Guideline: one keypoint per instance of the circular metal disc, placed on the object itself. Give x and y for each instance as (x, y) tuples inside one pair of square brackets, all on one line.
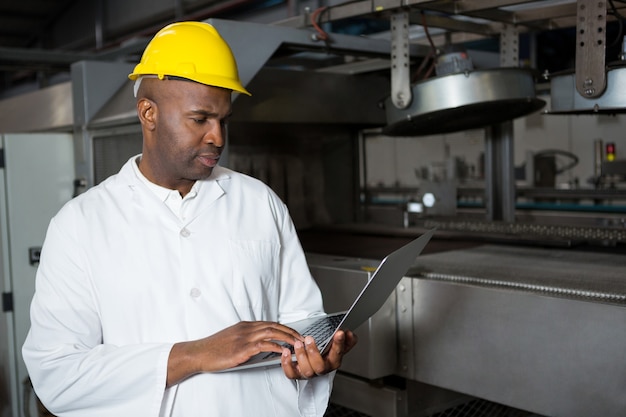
[(463, 101), (565, 99)]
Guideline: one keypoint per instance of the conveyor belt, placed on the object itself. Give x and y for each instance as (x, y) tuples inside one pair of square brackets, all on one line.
[(565, 273), (571, 235)]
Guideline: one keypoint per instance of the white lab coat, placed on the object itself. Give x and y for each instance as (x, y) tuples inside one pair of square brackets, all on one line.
[(124, 276)]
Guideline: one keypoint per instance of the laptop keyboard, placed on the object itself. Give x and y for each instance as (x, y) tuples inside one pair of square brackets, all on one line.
[(323, 328), (320, 330)]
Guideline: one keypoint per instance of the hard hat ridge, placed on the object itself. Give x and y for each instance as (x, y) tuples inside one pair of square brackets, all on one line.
[(190, 50)]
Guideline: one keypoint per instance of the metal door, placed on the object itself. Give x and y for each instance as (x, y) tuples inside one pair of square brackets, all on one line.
[(36, 179)]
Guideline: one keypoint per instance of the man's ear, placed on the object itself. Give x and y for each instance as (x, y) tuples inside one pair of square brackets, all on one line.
[(146, 110)]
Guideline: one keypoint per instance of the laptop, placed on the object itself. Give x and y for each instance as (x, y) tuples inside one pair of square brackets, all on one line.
[(323, 327)]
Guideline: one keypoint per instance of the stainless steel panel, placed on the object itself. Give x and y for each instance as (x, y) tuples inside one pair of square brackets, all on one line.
[(46, 110), (553, 353), (270, 38), (412, 399), (375, 401), (93, 86), (341, 279), (120, 110)]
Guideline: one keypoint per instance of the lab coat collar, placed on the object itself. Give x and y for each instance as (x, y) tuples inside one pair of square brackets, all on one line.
[(212, 185)]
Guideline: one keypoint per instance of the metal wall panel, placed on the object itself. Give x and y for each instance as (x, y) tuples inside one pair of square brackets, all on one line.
[(36, 181), (551, 355)]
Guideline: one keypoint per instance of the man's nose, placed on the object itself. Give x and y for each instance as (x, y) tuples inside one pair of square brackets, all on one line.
[(215, 136)]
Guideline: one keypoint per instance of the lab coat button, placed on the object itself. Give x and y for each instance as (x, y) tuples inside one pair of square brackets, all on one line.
[(195, 292), (185, 232)]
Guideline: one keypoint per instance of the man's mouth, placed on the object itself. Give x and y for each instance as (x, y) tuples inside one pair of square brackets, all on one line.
[(209, 160)]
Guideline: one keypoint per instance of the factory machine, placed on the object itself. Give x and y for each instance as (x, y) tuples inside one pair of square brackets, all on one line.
[(516, 307)]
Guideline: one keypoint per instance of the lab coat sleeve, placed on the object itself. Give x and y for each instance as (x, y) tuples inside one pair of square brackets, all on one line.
[(73, 372), (301, 297)]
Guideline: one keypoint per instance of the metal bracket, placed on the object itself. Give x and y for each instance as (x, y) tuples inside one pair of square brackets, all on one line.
[(400, 66), (34, 253), (509, 46), (7, 302), (590, 48)]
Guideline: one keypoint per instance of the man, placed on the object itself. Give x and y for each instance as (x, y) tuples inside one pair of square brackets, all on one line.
[(177, 268)]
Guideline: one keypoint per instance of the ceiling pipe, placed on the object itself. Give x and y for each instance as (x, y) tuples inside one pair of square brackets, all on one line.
[(131, 44), (99, 24)]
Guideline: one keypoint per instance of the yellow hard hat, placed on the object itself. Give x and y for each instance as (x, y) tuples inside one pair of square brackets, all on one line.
[(191, 50)]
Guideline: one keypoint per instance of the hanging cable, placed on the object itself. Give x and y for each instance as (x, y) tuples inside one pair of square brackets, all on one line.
[(417, 75), (321, 34), (425, 25), (430, 57)]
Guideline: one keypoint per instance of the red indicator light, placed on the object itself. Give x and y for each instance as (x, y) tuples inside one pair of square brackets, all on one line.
[(610, 151)]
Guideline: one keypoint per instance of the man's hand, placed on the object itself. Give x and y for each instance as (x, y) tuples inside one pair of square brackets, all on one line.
[(227, 348), (310, 363)]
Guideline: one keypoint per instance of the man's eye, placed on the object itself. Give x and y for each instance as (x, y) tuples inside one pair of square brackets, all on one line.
[(199, 121)]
